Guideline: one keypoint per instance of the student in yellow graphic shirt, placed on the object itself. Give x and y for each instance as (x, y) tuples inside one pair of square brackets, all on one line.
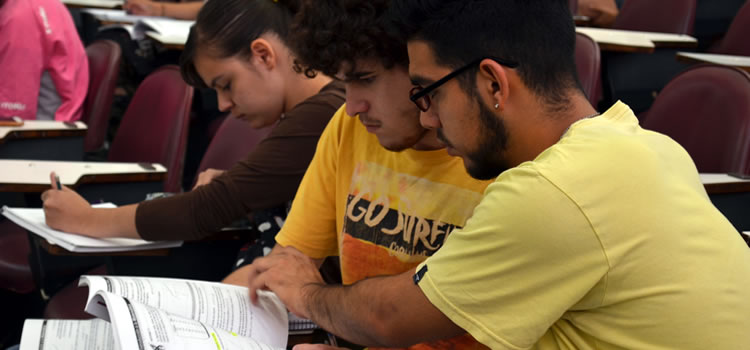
[(381, 192), (597, 234)]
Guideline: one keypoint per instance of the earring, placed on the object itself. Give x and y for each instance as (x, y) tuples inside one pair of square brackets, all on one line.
[(497, 105)]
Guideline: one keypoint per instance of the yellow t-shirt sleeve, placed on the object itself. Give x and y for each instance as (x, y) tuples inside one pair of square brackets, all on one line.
[(311, 223), (523, 259)]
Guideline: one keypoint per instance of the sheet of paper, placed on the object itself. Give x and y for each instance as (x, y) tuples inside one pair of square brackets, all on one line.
[(66, 335), (33, 220), (214, 304)]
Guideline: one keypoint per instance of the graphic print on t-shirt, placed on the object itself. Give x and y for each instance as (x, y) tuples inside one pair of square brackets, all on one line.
[(394, 221)]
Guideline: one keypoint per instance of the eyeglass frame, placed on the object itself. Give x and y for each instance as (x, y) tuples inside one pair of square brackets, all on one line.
[(418, 93)]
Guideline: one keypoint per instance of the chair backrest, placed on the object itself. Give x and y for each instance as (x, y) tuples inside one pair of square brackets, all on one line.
[(663, 16), (736, 41), (706, 109), (232, 142), (155, 125), (573, 4), (588, 65), (104, 65)]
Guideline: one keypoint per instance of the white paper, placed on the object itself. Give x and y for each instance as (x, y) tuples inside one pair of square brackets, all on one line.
[(139, 326), (67, 335), (222, 306), (33, 220)]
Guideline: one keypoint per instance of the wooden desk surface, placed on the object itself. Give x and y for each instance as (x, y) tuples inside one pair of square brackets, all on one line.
[(741, 62), (723, 183), (635, 41), (42, 129), (33, 175), (103, 4)]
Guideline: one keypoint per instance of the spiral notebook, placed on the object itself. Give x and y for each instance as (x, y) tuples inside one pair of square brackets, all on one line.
[(298, 325)]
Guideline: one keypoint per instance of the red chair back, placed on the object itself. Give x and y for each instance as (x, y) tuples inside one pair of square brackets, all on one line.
[(104, 65), (706, 109), (573, 4), (155, 125), (232, 142), (588, 65), (663, 16), (736, 41)]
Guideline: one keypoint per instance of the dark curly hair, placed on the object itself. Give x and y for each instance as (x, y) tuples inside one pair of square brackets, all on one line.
[(226, 27), (330, 34)]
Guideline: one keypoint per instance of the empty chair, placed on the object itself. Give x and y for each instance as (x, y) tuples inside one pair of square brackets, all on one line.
[(232, 142), (104, 65), (664, 16), (588, 65), (706, 109), (736, 41), (154, 127), (15, 272)]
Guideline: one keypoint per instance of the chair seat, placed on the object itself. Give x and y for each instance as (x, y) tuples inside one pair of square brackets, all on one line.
[(15, 272), (69, 302)]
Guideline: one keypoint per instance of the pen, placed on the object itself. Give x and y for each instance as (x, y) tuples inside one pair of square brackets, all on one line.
[(57, 182)]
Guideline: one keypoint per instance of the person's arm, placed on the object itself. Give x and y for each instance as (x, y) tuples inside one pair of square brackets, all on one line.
[(67, 64), (267, 178), (188, 10), (378, 312), (67, 211)]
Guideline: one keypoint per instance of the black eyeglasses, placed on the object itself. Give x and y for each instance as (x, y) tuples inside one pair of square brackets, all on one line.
[(420, 96)]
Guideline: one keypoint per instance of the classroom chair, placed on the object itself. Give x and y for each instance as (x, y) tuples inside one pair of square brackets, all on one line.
[(232, 142), (104, 66), (573, 4), (736, 41), (664, 16), (154, 127), (15, 272), (636, 78), (588, 65), (706, 109)]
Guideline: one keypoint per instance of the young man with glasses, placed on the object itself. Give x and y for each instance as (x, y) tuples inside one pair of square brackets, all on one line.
[(381, 192), (596, 234)]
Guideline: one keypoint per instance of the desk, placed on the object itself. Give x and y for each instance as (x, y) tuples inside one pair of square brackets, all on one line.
[(44, 140), (103, 4), (731, 196), (171, 33), (120, 183), (741, 62), (113, 16), (635, 41)]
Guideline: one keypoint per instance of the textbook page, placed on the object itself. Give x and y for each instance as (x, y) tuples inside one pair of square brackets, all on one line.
[(137, 326), (33, 220), (222, 306), (67, 334)]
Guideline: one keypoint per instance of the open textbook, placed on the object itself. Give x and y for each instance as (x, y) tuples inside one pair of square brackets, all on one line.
[(161, 313), (33, 220)]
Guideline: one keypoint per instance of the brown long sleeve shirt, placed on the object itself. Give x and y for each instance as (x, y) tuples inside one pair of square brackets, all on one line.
[(267, 178)]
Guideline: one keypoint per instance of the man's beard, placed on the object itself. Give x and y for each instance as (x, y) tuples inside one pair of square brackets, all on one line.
[(486, 162)]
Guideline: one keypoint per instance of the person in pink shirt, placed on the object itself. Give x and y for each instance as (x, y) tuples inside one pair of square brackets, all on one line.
[(43, 66)]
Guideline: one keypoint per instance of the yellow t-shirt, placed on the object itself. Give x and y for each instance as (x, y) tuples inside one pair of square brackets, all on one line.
[(607, 240), (381, 212)]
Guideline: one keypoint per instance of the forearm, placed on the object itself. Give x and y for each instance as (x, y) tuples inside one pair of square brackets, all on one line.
[(361, 313), (111, 222), (182, 10)]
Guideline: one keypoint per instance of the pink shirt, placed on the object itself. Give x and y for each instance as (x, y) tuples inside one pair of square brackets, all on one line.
[(38, 37)]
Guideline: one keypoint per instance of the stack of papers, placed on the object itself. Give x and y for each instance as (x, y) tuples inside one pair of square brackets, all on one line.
[(33, 220)]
